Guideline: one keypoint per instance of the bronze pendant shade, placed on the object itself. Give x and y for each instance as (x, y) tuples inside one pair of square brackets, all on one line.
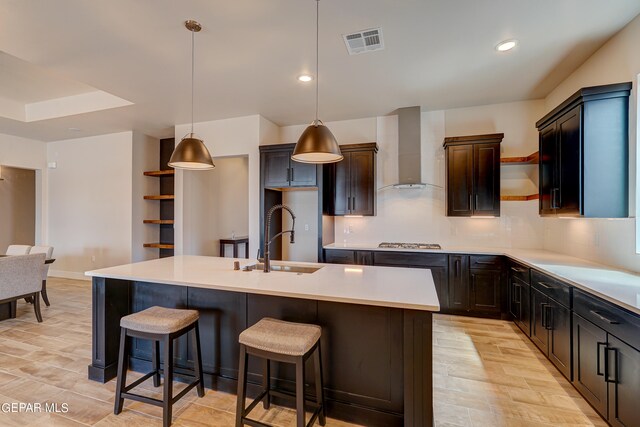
[(191, 153), (317, 145)]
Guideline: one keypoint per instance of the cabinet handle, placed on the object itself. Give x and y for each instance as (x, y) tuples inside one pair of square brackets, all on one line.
[(518, 270), (470, 202), (292, 170), (544, 285), (353, 203), (485, 262), (475, 206), (543, 320), (598, 357), (349, 203), (288, 174), (548, 317), (607, 359), (457, 268), (609, 321)]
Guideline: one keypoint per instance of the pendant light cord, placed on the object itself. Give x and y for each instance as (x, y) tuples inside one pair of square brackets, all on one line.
[(193, 40), (317, 56)]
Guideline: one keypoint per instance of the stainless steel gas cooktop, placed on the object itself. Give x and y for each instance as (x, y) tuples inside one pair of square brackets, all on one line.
[(409, 245)]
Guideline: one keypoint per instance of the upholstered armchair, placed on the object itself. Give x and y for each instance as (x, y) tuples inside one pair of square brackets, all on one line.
[(18, 250), (48, 251), (21, 277)]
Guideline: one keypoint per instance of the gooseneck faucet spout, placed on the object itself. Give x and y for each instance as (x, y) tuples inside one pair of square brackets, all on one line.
[(267, 226)]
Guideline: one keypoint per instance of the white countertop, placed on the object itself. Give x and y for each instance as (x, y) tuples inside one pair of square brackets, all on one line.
[(408, 288), (617, 286)]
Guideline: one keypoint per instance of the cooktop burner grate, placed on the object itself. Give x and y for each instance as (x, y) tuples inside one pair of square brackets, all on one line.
[(409, 245)]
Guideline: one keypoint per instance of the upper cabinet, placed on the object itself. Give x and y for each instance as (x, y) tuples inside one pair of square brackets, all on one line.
[(473, 175), (350, 183), (584, 154), (279, 171)]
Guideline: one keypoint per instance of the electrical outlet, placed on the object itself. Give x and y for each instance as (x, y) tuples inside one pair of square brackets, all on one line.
[(306, 227)]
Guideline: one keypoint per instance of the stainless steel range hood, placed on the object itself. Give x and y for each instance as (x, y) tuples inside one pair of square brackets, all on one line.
[(409, 157)]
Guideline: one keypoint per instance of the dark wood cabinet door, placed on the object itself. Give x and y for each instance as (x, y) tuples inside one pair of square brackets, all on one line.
[(364, 258), (559, 324), (302, 174), (459, 282), (484, 290), (539, 333), (460, 180), (524, 323), (342, 187), (548, 168), (339, 256), (624, 386), (439, 275), (276, 168), (589, 343), (362, 182), (486, 179), (569, 162), (515, 301)]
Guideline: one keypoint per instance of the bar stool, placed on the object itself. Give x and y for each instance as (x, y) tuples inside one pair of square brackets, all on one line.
[(288, 342), (158, 324)]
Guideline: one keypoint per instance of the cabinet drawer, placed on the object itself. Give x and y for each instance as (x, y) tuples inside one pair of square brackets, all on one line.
[(485, 262), (409, 259), (520, 271), (339, 256), (611, 318), (551, 287)]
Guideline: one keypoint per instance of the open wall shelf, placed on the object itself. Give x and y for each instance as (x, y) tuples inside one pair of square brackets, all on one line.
[(165, 172), (159, 245), (160, 197), (519, 198), (531, 159), (158, 221)]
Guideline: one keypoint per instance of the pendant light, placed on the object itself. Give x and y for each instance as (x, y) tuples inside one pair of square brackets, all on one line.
[(317, 144), (191, 153)]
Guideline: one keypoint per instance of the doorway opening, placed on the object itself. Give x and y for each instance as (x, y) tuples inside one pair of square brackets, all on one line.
[(17, 206)]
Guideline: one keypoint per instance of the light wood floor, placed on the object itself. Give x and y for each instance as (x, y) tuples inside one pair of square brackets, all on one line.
[(486, 373)]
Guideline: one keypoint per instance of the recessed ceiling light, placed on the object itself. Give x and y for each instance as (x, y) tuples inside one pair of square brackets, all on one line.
[(506, 45), (305, 78)]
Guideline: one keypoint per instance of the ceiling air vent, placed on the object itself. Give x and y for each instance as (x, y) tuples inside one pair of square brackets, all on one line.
[(364, 41)]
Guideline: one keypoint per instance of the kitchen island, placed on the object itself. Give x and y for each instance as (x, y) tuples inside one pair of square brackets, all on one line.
[(376, 328)]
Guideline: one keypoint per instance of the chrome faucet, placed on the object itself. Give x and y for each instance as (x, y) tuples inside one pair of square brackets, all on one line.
[(267, 225)]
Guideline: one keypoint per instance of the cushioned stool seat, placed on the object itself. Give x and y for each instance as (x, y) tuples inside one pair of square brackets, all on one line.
[(278, 336), (159, 320)]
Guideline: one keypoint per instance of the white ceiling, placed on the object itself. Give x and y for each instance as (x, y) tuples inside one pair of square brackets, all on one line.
[(438, 54)]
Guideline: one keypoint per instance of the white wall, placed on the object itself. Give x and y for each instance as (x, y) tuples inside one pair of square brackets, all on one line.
[(29, 154), (606, 241), (145, 157), (239, 136), (90, 203), (419, 215), (305, 206)]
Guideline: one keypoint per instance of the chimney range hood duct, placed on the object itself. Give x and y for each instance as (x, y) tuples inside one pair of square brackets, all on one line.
[(409, 158)]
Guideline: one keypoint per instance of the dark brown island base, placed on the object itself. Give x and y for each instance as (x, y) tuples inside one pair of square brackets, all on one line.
[(376, 329)]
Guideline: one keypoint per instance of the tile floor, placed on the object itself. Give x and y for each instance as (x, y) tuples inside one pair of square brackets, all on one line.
[(486, 373)]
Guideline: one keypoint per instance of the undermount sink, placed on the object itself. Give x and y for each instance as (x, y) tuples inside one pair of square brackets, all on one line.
[(300, 269)]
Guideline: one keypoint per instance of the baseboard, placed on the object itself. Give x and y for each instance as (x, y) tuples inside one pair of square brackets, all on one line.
[(69, 275)]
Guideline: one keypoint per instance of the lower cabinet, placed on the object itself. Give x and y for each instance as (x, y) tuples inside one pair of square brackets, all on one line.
[(520, 304), (485, 292), (343, 256), (475, 291), (459, 282), (551, 330), (606, 359)]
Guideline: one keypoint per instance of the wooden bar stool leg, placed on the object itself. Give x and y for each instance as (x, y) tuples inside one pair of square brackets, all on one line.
[(300, 415), (266, 375), (198, 361), (155, 360), (242, 386), (36, 306), (121, 381), (167, 396), (317, 362)]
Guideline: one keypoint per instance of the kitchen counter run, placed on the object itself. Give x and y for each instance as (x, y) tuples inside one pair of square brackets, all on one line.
[(378, 286), (616, 286)]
